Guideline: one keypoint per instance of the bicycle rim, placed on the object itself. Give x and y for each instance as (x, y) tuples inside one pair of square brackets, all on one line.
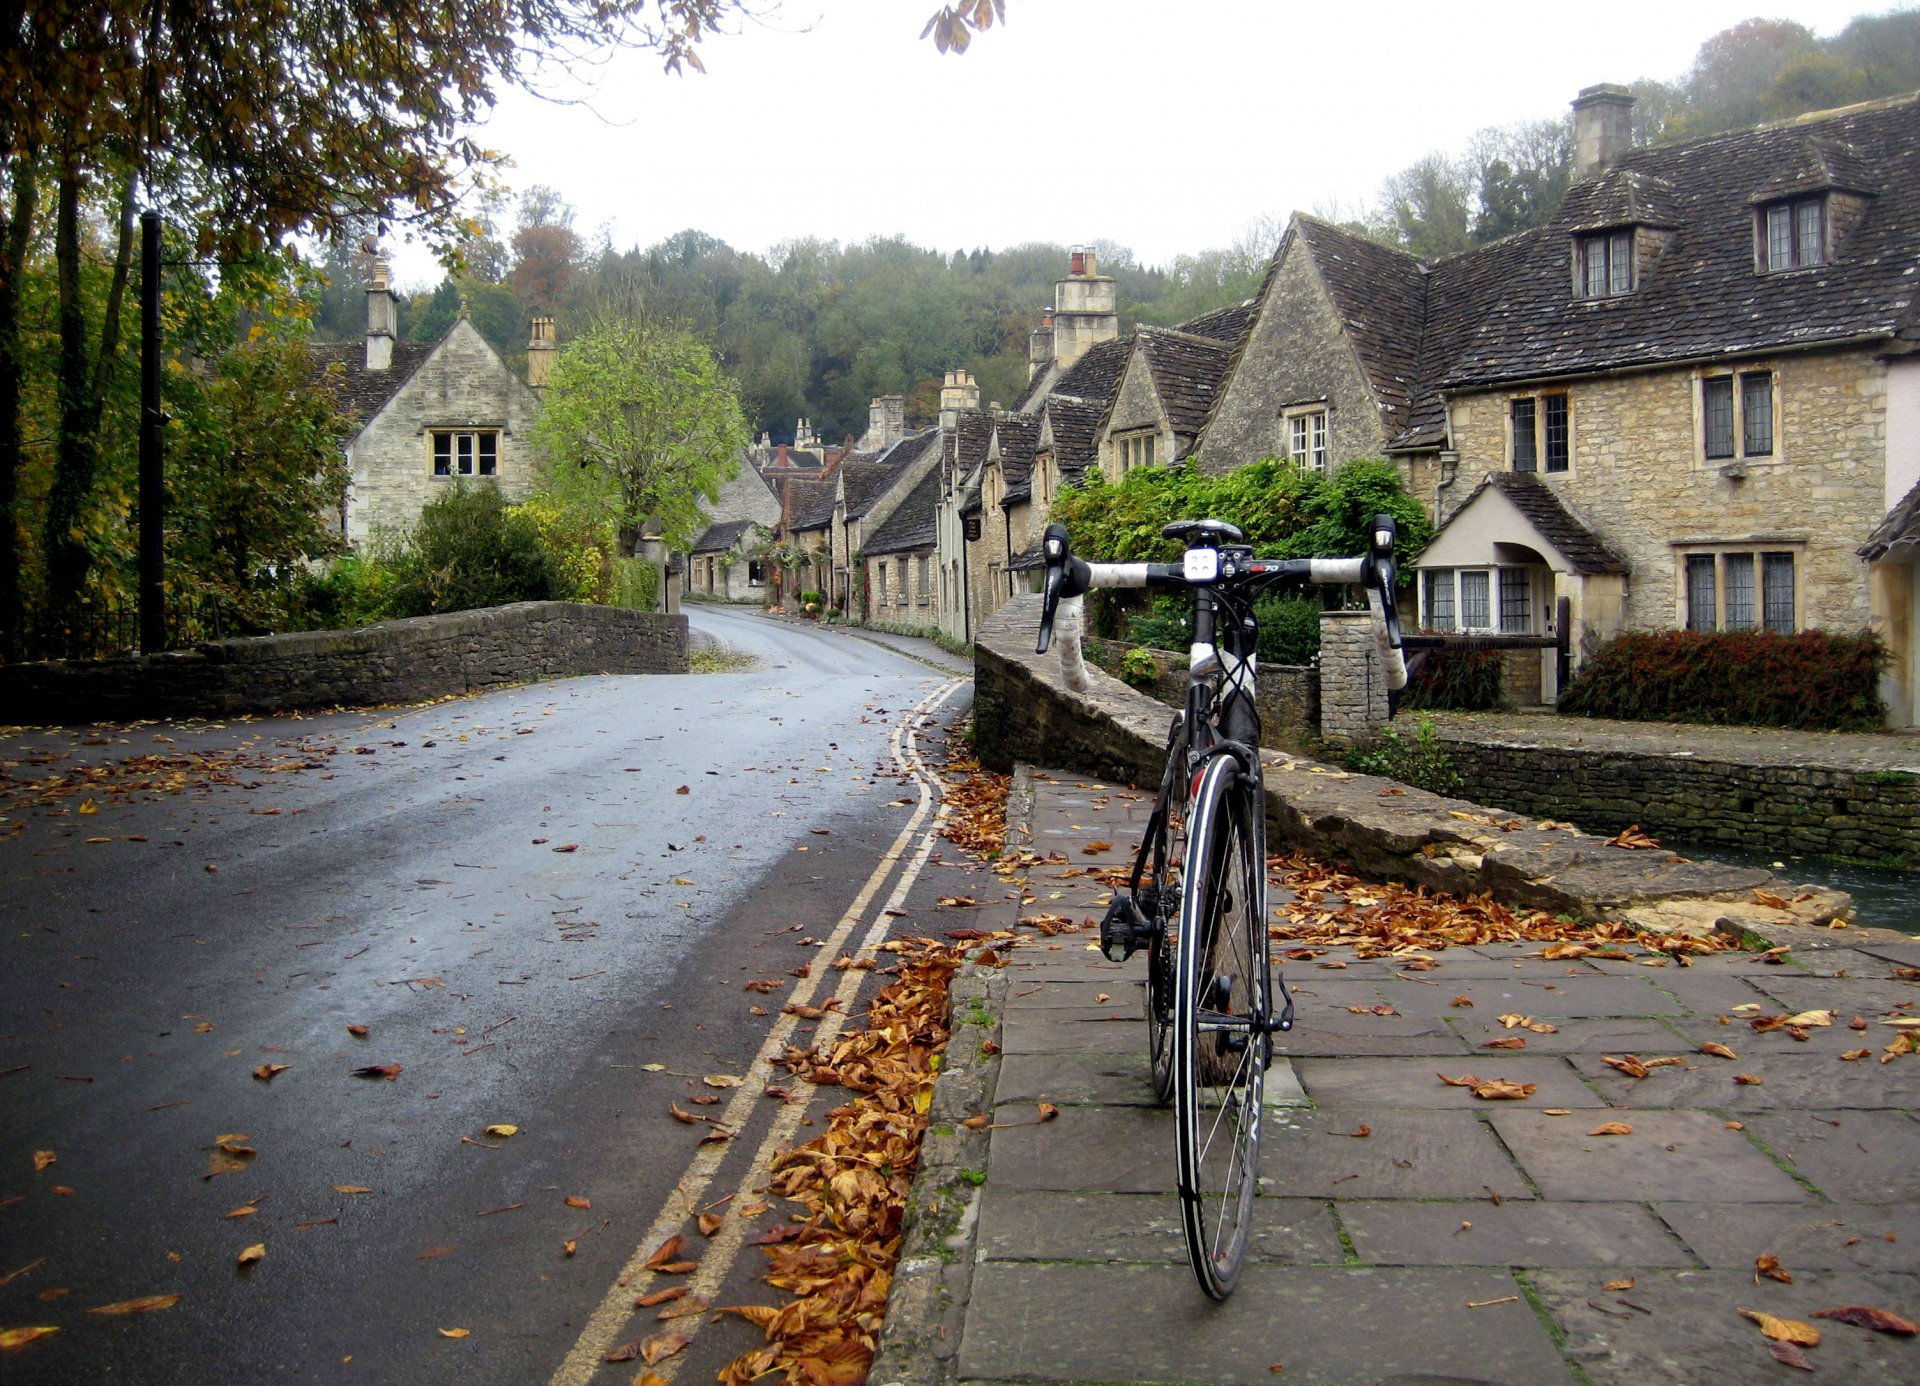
[(1220, 1009), (1164, 880)]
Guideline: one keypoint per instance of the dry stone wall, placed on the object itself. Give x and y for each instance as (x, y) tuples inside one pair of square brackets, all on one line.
[(394, 662)]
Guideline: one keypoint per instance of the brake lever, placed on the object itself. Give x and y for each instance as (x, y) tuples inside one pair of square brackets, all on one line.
[(1053, 545)]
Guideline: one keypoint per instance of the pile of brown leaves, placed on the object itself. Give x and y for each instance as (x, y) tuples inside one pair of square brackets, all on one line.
[(976, 802), (172, 772), (853, 1180), (1331, 907)]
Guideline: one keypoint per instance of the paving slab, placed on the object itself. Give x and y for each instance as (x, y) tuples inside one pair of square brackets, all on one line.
[(1826, 1236), (1905, 954), (1102, 1029), (1547, 998), (1851, 1157), (1360, 1035), (1319, 1325), (1590, 1035), (1479, 1232), (1086, 1149), (1804, 1080), (1692, 1331), (1404, 1154), (1023, 1224), (1415, 1082), (1678, 1154), (1828, 1041), (1865, 995), (1710, 992), (1056, 993)]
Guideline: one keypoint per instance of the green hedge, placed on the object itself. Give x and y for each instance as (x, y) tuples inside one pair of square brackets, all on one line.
[(1457, 681), (1813, 681)]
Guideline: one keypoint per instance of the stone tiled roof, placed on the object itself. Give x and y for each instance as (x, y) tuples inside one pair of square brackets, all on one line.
[(912, 524), (362, 393), (1544, 510), (1074, 423), (971, 437), (1036, 387), (1187, 371), (1222, 324), (861, 484), (1381, 296), (1096, 375), (1457, 292), (1619, 197), (1017, 434), (811, 502), (721, 537), (1701, 297), (1898, 535)]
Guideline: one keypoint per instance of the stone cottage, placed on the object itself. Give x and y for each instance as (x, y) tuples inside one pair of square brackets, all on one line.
[(427, 417), (728, 559)]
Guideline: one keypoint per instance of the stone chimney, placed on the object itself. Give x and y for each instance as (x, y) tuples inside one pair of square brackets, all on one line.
[(1602, 129), (804, 438), (379, 318), (958, 393), (1040, 346), (1086, 309), (540, 351), (886, 423)]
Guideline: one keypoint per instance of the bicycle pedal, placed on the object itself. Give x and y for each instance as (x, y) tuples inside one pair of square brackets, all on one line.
[(1124, 931)]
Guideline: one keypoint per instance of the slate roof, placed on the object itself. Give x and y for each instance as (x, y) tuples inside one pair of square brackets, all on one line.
[(1227, 324), (1041, 380), (812, 502), (362, 393), (1074, 422), (1017, 433), (1702, 297), (912, 524), (1187, 371), (1544, 510), (721, 537), (1096, 375), (1899, 531), (1381, 297), (1620, 197)]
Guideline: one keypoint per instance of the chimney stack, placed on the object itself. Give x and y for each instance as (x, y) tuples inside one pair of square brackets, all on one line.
[(380, 319), (958, 393), (1040, 346), (540, 350), (886, 423), (1086, 309), (1602, 129)]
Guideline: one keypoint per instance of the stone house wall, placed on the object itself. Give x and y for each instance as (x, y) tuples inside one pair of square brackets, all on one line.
[(463, 385), (1295, 353), (908, 600), (1637, 477), (1136, 405)]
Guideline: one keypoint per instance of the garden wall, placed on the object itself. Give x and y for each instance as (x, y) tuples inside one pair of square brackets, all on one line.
[(393, 662), (1287, 696)]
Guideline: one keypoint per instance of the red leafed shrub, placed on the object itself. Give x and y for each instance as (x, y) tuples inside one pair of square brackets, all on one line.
[(1814, 681), (1457, 680)]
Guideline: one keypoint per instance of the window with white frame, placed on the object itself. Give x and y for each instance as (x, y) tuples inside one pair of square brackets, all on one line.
[(1741, 589), (1477, 599), (1792, 234), (1306, 438), (466, 452), (1540, 433), (1737, 415), (1603, 264)]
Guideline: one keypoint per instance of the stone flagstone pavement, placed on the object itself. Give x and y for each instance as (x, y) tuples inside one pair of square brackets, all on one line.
[(1409, 1232)]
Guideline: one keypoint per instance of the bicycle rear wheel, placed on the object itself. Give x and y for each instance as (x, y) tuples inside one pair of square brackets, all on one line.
[(1219, 1028)]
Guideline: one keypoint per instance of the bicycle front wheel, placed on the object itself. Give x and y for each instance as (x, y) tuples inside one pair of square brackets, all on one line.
[(1161, 900), (1219, 1028)]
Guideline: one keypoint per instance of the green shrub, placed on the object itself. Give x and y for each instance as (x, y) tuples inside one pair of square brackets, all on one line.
[(1420, 761), (1457, 680), (813, 598), (1289, 630), (1139, 668), (634, 584), (352, 590), (1813, 680), (469, 550)]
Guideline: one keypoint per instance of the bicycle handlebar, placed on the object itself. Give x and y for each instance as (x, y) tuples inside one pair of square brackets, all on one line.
[(1069, 578)]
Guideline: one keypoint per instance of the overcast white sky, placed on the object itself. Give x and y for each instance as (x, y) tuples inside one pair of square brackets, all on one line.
[(1164, 125)]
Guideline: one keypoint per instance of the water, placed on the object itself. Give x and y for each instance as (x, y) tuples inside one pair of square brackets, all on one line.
[(1886, 899)]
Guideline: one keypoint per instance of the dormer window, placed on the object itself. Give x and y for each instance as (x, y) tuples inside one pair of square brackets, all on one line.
[(1793, 234), (1603, 264)]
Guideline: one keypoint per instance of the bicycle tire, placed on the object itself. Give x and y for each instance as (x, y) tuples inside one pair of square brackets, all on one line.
[(1220, 1041), (1163, 868)]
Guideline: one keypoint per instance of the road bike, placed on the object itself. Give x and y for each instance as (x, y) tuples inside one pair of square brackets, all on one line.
[(1196, 899)]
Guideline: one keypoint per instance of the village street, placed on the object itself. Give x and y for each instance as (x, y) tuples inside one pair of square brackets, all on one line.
[(534, 908)]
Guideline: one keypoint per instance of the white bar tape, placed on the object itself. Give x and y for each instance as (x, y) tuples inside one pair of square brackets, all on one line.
[(1068, 623), (1117, 574), (1392, 660), (1335, 570)]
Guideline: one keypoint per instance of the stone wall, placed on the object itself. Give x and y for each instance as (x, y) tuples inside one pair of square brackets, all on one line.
[(1353, 685), (1638, 476), (1820, 810), (1287, 696), (462, 385), (394, 662), (1024, 712)]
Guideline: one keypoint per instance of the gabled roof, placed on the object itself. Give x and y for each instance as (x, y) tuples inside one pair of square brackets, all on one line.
[(1381, 297), (1187, 371), (1017, 435), (1037, 384), (1898, 536), (912, 524), (811, 502), (1227, 324), (1542, 508), (363, 393), (1073, 424), (1097, 374), (721, 537), (1619, 197), (1701, 297)]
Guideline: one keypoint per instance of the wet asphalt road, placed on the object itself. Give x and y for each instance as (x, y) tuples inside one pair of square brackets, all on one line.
[(516, 898)]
